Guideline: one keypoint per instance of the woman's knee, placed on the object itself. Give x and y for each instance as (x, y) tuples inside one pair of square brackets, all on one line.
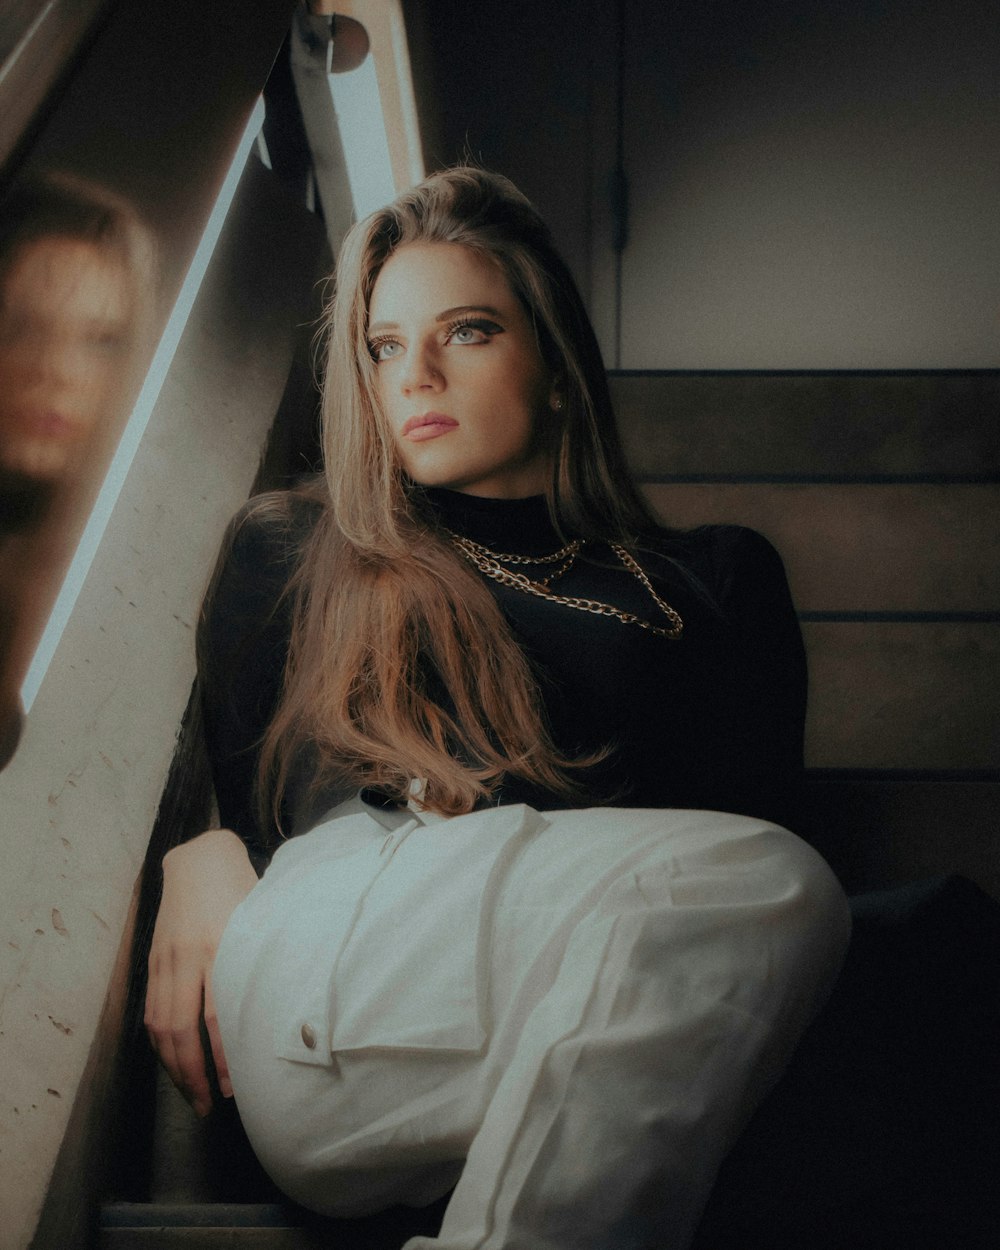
[(747, 909), (819, 919)]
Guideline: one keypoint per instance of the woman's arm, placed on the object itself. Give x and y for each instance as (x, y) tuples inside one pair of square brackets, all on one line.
[(204, 880), (757, 600), (242, 647), (242, 642)]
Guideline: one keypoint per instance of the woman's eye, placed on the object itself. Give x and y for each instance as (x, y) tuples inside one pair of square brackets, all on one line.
[(384, 349), (465, 333)]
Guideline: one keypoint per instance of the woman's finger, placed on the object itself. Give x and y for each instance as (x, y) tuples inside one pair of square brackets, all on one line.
[(157, 1016), (215, 1039), (185, 1035)]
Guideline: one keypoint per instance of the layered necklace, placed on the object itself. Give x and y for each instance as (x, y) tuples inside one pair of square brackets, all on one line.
[(503, 567)]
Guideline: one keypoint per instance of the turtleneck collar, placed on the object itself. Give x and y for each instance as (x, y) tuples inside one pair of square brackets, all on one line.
[(519, 525)]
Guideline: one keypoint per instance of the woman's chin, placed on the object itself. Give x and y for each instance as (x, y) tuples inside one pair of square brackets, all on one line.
[(43, 462)]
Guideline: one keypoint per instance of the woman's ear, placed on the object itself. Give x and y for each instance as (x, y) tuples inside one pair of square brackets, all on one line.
[(557, 393)]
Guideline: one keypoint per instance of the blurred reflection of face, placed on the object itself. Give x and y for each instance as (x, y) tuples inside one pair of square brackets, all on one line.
[(64, 322)]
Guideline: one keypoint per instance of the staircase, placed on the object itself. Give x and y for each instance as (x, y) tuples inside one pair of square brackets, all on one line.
[(882, 492)]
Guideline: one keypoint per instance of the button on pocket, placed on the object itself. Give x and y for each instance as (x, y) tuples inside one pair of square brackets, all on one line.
[(308, 1034)]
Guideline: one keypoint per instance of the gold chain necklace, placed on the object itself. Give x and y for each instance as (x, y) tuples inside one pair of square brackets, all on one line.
[(491, 563)]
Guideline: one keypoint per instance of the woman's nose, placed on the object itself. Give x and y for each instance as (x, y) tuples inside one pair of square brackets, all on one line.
[(421, 371)]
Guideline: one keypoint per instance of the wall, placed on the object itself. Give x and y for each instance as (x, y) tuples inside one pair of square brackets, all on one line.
[(813, 183)]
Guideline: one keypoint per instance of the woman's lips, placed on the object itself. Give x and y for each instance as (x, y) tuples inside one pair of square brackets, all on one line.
[(429, 425)]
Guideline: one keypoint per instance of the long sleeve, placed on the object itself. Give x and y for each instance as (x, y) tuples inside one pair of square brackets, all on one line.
[(242, 648), (755, 598)]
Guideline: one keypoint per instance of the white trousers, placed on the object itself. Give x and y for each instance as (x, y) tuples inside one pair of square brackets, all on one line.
[(567, 1015)]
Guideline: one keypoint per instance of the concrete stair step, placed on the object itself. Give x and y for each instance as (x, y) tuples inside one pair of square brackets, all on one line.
[(896, 547), (262, 1226), (896, 694), (880, 830), (256, 1225), (725, 426)]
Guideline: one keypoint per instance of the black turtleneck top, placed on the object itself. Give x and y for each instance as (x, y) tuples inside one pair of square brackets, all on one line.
[(712, 720)]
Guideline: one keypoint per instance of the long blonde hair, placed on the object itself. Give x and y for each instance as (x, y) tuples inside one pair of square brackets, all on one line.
[(401, 665)]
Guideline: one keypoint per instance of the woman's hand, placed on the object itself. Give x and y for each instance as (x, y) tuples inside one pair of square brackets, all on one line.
[(203, 881)]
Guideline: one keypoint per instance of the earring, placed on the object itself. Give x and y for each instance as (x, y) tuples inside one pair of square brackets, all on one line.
[(557, 405)]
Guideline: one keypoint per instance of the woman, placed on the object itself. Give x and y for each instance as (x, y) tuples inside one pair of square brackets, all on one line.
[(517, 947)]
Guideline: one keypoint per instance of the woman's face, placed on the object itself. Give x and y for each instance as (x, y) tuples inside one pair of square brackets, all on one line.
[(64, 316), (459, 374)]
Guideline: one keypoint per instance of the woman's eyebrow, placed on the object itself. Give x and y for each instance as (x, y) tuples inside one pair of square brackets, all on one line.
[(467, 308), (447, 315)]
